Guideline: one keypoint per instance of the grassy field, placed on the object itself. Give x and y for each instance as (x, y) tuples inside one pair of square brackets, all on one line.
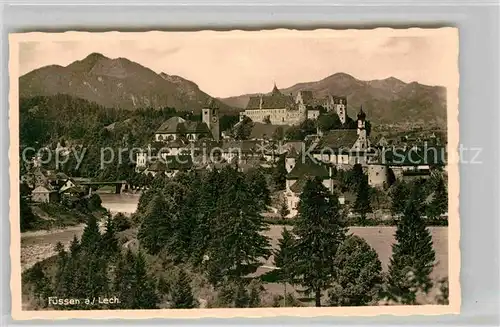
[(381, 240)]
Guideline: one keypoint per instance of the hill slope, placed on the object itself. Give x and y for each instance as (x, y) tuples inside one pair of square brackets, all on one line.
[(385, 101), (114, 83)]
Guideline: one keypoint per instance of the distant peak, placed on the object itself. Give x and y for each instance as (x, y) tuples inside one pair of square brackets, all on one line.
[(96, 55), (343, 75)]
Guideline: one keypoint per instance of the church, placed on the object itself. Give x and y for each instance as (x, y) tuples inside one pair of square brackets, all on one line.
[(176, 128), (281, 109)]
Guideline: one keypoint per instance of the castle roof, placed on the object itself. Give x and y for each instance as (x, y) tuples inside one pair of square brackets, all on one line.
[(275, 100)]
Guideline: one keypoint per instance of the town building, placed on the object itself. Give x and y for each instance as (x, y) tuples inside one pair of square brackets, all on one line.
[(302, 170), (176, 128), (277, 108), (44, 194), (345, 147)]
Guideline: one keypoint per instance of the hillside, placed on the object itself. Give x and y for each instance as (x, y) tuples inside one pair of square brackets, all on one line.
[(388, 101), (115, 83)]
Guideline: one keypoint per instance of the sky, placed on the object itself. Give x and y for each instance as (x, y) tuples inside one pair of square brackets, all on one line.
[(227, 64)]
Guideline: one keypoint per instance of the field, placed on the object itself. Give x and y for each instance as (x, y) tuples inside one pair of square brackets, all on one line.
[(380, 239)]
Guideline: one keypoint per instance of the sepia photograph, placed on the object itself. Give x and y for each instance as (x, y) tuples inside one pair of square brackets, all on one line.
[(234, 173)]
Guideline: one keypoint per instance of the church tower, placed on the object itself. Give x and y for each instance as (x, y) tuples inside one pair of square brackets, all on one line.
[(210, 116), (362, 141)]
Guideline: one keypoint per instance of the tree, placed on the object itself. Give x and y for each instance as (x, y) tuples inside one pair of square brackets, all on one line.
[(257, 185), (283, 258), (42, 286), (243, 129), (182, 294), (278, 134), (442, 297), (319, 231), (279, 173), (358, 276), (267, 120), (27, 218), (399, 196), (157, 228), (283, 209), (109, 239), (439, 202), (133, 286), (238, 244), (91, 236), (362, 204), (412, 255), (328, 122)]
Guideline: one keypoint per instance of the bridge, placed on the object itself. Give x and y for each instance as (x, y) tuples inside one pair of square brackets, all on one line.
[(94, 185)]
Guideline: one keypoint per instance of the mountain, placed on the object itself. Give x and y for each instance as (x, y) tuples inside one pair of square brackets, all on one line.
[(388, 101), (115, 83)]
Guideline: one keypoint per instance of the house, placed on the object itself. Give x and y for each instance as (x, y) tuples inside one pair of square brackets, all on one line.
[(177, 127), (344, 147), (44, 194), (303, 170)]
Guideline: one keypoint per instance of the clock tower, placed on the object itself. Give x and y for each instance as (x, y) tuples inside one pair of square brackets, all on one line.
[(210, 116)]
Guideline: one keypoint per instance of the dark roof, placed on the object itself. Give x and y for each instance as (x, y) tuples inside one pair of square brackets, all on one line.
[(305, 166), (261, 131), (275, 100), (178, 125), (183, 162), (430, 155), (158, 166), (338, 139), (298, 186)]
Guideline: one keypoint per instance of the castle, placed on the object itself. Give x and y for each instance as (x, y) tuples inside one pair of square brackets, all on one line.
[(281, 109)]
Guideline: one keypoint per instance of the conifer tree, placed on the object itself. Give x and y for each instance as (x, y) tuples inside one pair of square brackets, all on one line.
[(439, 203), (362, 204), (145, 295), (257, 186), (182, 294), (279, 173), (319, 232), (283, 258), (238, 244), (91, 236), (399, 196), (413, 255), (124, 279), (109, 240), (157, 229), (358, 276)]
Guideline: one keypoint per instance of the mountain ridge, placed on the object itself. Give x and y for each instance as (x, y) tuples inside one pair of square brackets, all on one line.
[(117, 82), (386, 101)]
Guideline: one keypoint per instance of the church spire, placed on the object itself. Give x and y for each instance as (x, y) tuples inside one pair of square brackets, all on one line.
[(361, 114), (275, 90)]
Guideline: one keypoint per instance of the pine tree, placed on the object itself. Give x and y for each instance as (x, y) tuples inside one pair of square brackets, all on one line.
[(358, 276), (182, 294), (157, 229), (238, 245), (399, 196), (257, 185), (145, 295), (283, 210), (124, 279), (279, 173), (283, 257), (109, 240), (413, 255), (319, 232), (362, 204), (91, 236), (439, 203)]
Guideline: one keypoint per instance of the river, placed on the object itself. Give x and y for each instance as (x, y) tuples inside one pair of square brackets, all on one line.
[(39, 245)]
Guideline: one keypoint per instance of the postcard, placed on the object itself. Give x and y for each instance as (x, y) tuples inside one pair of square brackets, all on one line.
[(234, 173)]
